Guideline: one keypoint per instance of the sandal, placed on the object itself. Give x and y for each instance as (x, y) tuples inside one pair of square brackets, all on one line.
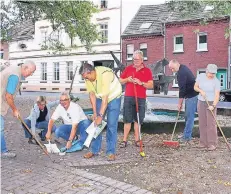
[(123, 144), (137, 143)]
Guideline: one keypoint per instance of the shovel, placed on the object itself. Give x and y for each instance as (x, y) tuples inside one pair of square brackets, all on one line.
[(172, 143)]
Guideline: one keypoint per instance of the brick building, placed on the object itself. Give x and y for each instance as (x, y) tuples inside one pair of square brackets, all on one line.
[(161, 33)]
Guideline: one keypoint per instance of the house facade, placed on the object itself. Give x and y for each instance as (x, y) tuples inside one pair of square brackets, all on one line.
[(55, 70), (167, 35)]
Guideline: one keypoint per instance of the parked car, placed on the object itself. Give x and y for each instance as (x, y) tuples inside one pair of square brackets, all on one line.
[(225, 95)]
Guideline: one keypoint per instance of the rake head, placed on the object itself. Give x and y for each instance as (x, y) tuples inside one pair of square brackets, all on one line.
[(173, 144)]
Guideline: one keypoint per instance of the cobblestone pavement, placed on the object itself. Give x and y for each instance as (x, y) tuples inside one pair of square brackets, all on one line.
[(34, 172)]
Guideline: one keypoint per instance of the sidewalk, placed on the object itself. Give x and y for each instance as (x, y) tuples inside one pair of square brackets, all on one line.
[(33, 172)]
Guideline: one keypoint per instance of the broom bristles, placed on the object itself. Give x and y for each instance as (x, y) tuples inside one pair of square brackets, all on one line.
[(171, 143)]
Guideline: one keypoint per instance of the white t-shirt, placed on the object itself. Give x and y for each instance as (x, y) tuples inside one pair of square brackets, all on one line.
[(73, 115), (209, 86)]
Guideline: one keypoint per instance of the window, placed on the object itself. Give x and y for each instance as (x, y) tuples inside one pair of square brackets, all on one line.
[(103, 4), (1, 53), (81, 79), (202, 42), (44, 71), (103, 33), (130, 50), (56, 35), (178, 43), (69, 70), (56, 71), (145, 25), (44, 35), (143, 48)]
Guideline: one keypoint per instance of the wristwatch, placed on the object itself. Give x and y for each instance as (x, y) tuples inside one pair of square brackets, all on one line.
[(101, 115), (70, 140)]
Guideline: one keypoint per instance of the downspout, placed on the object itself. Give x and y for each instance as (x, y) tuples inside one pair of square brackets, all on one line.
[(164, 31)]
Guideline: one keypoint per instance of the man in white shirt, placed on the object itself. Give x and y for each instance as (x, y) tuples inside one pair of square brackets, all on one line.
[(74, 119)]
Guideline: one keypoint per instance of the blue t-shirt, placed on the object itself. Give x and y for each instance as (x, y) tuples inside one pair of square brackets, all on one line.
[(12, 84)]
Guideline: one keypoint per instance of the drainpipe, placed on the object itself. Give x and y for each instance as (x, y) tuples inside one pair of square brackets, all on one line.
[(164, 30)]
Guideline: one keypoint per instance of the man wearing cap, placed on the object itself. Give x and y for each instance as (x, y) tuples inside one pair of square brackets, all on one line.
[(209, 88), (186, 81)]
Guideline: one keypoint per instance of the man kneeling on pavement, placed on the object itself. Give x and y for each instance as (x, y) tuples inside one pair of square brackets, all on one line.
[(75, 122), (39, 117)]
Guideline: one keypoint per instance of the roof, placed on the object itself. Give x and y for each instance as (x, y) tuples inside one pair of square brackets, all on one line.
[(157, 15), (24, 30)]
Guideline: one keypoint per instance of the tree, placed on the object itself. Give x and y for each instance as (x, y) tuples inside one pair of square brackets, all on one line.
[(72, 16), (214, 9)]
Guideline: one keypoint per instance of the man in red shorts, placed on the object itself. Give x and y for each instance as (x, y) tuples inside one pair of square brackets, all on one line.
[(141, 76)]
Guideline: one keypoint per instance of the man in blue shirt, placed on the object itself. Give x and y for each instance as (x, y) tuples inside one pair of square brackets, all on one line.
[(186, 81), (10, 82)]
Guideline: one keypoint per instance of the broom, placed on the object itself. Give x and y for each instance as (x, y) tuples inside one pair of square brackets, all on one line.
[(172, 143), (138, 120)]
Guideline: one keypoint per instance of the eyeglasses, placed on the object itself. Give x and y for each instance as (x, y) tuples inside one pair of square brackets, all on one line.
[(64, 100), (68, 115), (85, 75), (42, 104)]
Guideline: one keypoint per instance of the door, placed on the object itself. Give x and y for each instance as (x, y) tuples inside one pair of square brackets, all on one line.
[(222, 76)]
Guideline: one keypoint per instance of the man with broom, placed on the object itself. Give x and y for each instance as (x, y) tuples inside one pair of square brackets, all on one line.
[(137, 79), (186, 81)]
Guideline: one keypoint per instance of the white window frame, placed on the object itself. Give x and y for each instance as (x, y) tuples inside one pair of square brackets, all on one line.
[(175, 84), (142, 47), (81, 80), (43, 71), (70, 70), (175, 50), (103, 32), (199, 71), (205, 44), (105, 4), (129, 51), (56, 71)]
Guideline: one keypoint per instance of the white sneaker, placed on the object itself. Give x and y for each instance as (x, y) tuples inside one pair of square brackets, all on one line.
[(180, 136), (8, 155)]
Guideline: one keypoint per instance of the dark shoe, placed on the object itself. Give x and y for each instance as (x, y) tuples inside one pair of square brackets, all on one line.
[(41, 137), (88, 155), (123, 144), (111, 157), (137, 144)]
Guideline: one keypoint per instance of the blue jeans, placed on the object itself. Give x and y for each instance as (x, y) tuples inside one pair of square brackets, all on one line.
[(3, 142), (64, 131), (113, 111), (40, 125), (190, 109)]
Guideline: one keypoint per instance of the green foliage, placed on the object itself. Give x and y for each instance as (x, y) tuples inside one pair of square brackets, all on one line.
[(74, 17), (216, 9)]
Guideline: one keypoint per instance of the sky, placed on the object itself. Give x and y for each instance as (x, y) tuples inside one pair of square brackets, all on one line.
[(130, 7)]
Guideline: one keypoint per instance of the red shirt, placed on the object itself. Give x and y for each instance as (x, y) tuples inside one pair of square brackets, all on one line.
[(144, 75)]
